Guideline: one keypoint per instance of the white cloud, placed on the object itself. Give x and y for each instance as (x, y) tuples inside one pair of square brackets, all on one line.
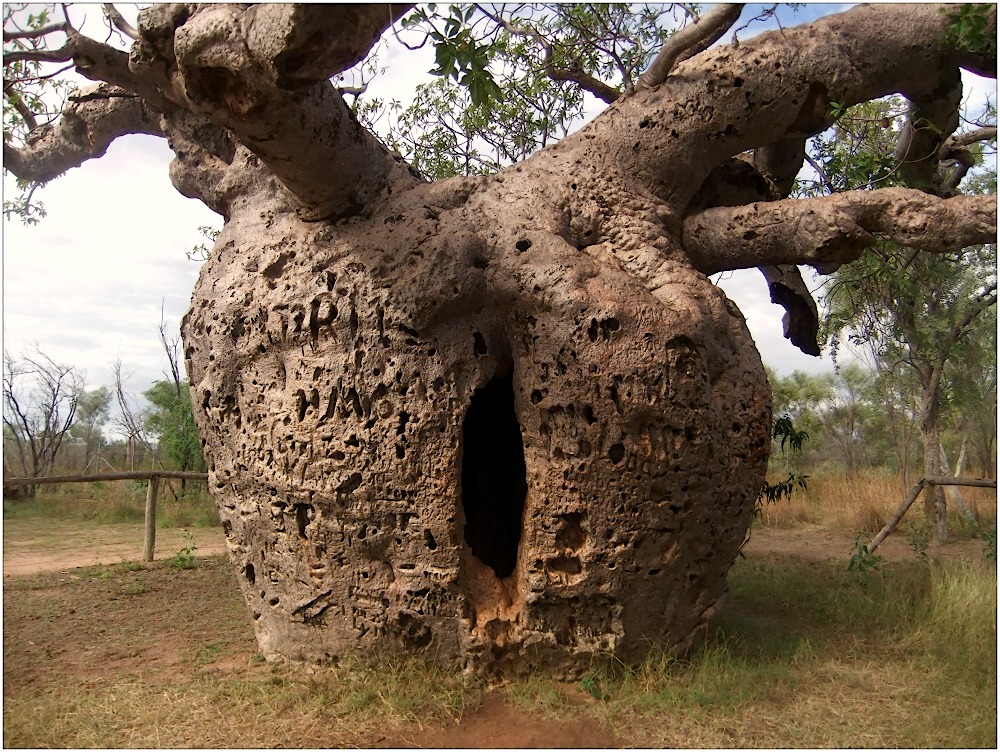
[(88, 282)]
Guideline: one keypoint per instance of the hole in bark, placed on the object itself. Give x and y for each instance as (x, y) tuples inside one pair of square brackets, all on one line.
[(429, 540), (494, 480), (479, 347), (565, 564), (302, 518), (572, 534), (522, 245), (616, 453)]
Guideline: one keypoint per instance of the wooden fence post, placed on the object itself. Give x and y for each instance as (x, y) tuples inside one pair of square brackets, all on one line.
[(150, 539), (938, 480)]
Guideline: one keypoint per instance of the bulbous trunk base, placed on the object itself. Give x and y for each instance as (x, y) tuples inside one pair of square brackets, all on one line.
[(406, 460)]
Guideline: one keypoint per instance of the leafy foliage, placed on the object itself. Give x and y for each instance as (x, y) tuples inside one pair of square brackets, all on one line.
[(34, 96), (512, 79), (171, 420), (969, 27), (862, 561)]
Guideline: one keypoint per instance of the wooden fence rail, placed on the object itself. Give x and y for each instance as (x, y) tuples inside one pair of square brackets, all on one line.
[(152, 492), (935, 480)]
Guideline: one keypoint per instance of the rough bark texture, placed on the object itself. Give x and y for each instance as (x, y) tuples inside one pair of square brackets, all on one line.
[(507, 421), (447, 428)]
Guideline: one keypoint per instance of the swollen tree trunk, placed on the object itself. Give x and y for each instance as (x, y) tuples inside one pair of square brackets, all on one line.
[(506, 421), (447, 427)]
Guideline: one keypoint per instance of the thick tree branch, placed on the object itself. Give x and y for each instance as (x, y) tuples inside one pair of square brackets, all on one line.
[(701, 34), (780, 162), (962, 140), (801, 320), (932, 117), (262, 72), (776, 87), (833, 230), (302, 44), (91, 121)]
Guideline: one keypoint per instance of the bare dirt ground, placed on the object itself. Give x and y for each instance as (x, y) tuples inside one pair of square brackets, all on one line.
[(82, 625), (31, 545)]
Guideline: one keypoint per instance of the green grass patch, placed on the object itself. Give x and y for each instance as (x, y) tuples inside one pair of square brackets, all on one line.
[(114, 502)]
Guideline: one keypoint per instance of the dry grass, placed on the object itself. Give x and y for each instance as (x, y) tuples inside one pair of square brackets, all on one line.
[(809, 656), (864, 503), (112, 502)]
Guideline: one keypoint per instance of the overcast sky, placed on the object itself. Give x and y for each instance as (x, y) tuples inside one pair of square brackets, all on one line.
[(88, 283)]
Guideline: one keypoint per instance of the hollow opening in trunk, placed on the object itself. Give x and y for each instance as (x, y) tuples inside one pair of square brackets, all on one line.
[(494, 481)]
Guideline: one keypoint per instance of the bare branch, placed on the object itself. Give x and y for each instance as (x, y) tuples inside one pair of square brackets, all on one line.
[(599, 89), (832, 230), (983, 302), (10, 36), (119, 22), (22, 108), (822, 174), (91, 121), (60, 55), (701, 34)]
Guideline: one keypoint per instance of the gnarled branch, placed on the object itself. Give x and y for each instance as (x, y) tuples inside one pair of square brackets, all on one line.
[(801, 320), (795, 74), (91, 121), (832, 230), (262, 72)]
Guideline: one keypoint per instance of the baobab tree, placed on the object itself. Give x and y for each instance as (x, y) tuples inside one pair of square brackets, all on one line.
[(504, 419)]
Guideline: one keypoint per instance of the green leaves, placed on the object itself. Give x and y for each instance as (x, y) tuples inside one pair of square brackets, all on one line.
[(457, 54), (171, 420), (786, 431), (970, 28)]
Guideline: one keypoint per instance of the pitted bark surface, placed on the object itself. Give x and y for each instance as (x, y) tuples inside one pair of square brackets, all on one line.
[(472, 438)]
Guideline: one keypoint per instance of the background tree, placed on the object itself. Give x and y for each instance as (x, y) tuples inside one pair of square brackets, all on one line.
[(170, 421), (40, 400), (911, 311), (848, 416), (93, 411)]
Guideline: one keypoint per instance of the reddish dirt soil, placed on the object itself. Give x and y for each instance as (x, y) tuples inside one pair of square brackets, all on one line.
[(158, 623), (31, 546)]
